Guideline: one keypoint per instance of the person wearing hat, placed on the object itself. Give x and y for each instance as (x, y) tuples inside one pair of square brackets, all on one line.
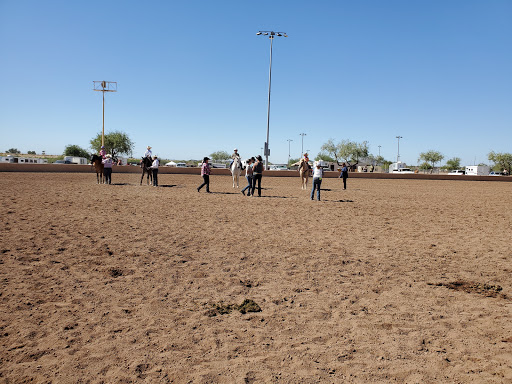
[(154, 168), (318, 172), (235, 157), (257, 174), (248, 175), (148, 152), (107, 168), (344, 174), (103, 152), (205, 173)]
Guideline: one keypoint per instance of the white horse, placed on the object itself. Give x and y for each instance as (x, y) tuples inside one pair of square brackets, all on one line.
[(236, 170)]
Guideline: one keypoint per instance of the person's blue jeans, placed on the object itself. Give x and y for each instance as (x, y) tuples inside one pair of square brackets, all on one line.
[(155, 177), (249, 185), (317, 181)]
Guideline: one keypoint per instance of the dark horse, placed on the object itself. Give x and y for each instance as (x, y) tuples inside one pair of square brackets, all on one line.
[(145, 164), (97, 163)]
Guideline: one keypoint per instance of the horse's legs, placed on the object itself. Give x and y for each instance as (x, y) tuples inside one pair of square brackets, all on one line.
[(142, 177)]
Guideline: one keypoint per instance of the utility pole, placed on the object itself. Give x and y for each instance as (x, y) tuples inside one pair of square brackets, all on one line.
[(104, 86)]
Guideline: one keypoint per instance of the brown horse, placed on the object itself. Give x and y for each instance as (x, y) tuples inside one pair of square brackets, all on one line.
[(145, 164), (97, 163), (304, 171)]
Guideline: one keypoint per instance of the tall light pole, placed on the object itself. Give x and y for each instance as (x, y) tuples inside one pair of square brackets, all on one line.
[(398, 153), (379, 149), (270, 35), (302, 147), (289, 141), (104, 86)]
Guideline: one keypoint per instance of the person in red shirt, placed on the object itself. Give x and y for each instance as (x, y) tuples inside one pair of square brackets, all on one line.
[(205, 173)]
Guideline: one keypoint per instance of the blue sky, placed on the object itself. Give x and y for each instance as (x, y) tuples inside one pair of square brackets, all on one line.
[(193, 76)]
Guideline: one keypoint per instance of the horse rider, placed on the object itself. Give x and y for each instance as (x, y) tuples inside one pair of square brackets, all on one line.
[(235, 157), (147, 154), (103, 153), (304, 163)]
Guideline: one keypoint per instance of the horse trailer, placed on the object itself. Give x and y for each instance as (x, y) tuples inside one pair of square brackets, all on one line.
[(76, 160), (477, 170), (23, 160)]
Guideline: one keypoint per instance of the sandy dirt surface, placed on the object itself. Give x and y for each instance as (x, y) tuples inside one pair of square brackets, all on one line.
[(389, 281)]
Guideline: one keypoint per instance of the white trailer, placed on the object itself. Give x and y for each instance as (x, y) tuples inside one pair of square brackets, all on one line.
[(477, 170), (23, 160), (395, 167), (76, 159)]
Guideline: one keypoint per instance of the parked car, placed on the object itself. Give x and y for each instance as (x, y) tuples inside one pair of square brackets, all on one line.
[(496, 173), (457, 172), (278, 168), (402, 170), (62, 162), (181, 165)]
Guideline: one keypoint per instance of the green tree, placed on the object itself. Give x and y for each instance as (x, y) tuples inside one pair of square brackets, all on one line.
[(75, 150), (386, 164), (453, 163), (426, 166), (220, 155), (116, 143), (431, 157), (323, 156), (346, 150), (31, 152), (292, 161), (13, 151), (380, 160), (503, 160)]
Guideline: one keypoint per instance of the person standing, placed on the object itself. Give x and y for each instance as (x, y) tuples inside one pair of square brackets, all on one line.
[(107, 168), (257, 174), (318, 173), (154, 169), (205, 173), (344, 174), (248, 175)]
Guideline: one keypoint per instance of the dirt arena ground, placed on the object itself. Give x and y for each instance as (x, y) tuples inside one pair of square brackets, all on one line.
[(390, 281)]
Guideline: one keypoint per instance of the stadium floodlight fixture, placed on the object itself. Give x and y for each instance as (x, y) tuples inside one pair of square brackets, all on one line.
[(270, 35)]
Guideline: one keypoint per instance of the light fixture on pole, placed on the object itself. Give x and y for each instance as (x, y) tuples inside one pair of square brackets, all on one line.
[(271, 35), (104, 86), (289, 141), (302, 147), (379, 149), (398, 153)]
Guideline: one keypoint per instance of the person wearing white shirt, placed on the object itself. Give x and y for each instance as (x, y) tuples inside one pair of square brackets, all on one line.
[(318, 172), (154, 168), (148, 152)]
